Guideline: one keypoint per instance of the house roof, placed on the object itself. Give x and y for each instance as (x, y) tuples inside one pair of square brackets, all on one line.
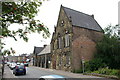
[(38, 50), (82, 20), (46, 50)]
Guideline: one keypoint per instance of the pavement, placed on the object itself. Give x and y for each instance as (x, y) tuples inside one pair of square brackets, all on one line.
[(76, 76), (0, 74), (7, 73), (66, 73)]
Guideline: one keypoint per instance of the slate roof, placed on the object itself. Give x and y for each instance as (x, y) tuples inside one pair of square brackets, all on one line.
[(82, 20), (46, 50), (38, 50)]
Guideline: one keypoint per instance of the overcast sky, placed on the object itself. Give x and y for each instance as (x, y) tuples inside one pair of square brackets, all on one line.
[(105, 13)]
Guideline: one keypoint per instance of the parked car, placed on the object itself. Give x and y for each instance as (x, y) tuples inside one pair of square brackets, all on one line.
[(26, 64), (12, 65), (19, 69), (52, 77), (18, 63), (8, 63), (21, 63)]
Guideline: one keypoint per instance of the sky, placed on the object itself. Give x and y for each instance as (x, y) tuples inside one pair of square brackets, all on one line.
[(105, 13)]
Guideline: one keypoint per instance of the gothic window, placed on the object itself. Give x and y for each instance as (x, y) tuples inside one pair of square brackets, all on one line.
[(60, 60), (55, 44), (67, 40), (59, 42), (68, 60), (64, 41)]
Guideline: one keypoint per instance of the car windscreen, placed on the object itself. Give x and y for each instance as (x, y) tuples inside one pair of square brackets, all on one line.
[(21, 66)]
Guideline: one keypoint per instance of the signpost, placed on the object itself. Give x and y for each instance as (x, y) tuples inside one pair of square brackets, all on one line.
[(83, 62)]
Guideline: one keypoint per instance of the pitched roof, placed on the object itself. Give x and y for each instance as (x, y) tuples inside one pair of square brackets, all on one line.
[(82, 20), (46, 50), (38, 50)]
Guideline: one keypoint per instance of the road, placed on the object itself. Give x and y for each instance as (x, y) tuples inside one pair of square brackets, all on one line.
[(36, 72), (32, 72)]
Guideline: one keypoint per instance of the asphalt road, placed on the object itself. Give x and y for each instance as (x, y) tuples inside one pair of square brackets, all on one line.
[(34, 73)]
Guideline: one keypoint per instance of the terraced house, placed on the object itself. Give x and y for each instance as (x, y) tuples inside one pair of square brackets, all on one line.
[(74, 39)]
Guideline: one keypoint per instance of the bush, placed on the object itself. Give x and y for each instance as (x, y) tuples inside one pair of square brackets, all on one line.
[(106, 71), (118, 74), (94, 65), (77, 71)]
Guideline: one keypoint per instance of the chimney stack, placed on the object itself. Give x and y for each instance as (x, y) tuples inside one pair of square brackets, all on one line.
[(92, 15), (45, 45)]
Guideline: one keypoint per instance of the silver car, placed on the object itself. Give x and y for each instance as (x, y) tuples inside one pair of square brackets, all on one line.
[(52, 77)]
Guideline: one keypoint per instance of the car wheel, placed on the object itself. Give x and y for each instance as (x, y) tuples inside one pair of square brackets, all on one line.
[(24, 73), (41, 79), (15, 74)]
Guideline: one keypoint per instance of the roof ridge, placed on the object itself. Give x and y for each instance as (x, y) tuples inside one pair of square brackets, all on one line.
[(76, 11), (82, 19)]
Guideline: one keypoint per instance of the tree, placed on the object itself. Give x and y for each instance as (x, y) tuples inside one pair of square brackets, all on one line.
[(109, 48), (23, 13)]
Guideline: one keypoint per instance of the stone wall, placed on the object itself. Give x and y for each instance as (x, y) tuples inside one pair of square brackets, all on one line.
[(59, 56)]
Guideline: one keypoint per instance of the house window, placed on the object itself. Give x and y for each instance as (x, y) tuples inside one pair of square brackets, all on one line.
[(60, 60), (67, 40), (67, 59), (59, 42), (55, 44), (64, 41)]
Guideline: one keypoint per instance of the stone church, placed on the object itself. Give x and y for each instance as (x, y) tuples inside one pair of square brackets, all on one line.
[(74, 39)]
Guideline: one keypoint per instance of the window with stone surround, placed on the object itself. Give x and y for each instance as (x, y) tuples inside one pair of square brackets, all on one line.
[(67, 40), (55, 44), (67, 59), (60, 60), (59, 42)]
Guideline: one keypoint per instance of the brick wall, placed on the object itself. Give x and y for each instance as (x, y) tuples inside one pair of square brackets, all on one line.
[(83, 45)]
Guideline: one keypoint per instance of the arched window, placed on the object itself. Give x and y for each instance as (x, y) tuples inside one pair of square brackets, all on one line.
[(59, 41), (67, 40)]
